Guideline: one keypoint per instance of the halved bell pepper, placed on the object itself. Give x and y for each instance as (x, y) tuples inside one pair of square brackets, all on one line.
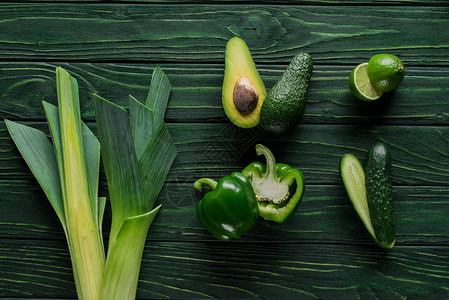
[(279, 188), (230, 209)]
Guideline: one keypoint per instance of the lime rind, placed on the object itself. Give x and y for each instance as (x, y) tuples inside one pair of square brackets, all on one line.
[(386, 72), (360, 85)]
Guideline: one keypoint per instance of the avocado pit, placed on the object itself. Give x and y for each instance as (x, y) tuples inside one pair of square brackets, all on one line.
[(245, 95)]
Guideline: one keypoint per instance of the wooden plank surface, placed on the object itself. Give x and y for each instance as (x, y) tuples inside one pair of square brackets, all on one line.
[(325, 216), (419, 153), (323, 252), (196, 94), (288, 2), (243, 270), (192, 33)]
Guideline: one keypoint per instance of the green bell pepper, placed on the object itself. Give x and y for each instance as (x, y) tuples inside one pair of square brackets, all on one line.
[(279, 188), (230, 209)]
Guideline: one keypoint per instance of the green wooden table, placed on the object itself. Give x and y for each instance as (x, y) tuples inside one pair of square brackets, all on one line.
[(323, 251)]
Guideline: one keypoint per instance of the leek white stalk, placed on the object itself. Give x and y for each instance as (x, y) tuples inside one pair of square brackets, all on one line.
[(80, 209)]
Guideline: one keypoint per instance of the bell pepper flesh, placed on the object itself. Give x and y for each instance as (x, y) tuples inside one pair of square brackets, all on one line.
[(230, 209), (279, 188)]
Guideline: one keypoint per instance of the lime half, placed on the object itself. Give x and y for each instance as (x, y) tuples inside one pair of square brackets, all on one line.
[(385, 72), (360, 84)]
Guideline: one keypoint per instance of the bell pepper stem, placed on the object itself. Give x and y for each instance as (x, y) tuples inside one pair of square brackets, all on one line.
[(271, 162), (207, 181)]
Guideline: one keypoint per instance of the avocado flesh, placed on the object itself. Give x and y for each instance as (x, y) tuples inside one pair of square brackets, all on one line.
[(284, 105), (238, 64)]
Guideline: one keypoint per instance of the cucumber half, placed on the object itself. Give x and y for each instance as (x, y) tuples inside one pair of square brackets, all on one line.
[(353, 177), (379, 194), (370, 192)]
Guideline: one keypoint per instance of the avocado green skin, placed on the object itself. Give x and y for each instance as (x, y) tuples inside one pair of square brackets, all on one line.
[(379, 194), (284, 105)]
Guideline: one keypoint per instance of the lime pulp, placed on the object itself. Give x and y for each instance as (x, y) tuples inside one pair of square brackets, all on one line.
[(360, 84)]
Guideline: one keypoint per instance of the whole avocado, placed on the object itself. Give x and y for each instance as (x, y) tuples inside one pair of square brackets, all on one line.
[(284, 105)]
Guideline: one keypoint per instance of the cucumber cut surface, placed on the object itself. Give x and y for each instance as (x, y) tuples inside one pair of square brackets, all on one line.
[(353, 177)]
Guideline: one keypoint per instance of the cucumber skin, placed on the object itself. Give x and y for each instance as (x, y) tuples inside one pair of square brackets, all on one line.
[(285, 103), (379, 194)]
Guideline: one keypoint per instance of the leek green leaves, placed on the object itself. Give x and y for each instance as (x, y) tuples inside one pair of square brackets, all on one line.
[(137, 152)]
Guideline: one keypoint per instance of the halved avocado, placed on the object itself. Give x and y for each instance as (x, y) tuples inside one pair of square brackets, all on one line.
[(243, 90)]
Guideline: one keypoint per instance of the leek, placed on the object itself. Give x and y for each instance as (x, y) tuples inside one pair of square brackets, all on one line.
[(137, 152), (68, 182)]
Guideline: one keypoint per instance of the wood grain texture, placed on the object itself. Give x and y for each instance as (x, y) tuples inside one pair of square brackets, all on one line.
[(198, 33), (273, 2), (242, 271), (325, 216), (196, 96), (323, 251), (419, 153)]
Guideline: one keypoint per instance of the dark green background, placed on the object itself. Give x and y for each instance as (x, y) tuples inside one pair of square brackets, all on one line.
[(112, 47)]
